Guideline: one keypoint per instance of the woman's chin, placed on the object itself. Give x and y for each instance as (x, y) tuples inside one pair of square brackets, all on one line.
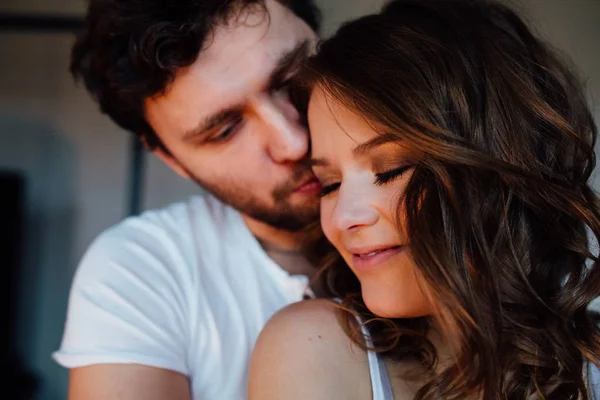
[(394, 305)]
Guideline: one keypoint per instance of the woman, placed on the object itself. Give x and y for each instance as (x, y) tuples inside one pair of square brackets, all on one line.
[(454, 150)]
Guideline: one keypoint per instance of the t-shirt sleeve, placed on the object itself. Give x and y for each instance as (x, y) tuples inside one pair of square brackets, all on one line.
[(128, 302)]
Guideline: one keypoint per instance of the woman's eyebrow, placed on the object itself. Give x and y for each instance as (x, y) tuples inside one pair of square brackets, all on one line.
[(378, 141)]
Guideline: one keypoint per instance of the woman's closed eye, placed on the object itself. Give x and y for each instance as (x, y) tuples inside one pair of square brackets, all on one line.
[(327, 189), (380, 179), (388, 176)]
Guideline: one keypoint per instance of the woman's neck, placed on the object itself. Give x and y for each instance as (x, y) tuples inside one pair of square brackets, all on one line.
[(407, 377)]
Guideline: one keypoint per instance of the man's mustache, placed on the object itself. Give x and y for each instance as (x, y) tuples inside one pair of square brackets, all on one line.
[(300, 173)]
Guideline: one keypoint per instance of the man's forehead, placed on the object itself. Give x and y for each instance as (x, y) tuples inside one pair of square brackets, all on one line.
[(236, 62), (259, 34)]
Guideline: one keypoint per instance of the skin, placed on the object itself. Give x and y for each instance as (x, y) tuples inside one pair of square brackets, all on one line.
[(255, 156), (127, 382), (362, 185), (254, 159), (303, 353), (303, 348)]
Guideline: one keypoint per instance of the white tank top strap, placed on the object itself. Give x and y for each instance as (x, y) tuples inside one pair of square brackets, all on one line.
[(594, 380), (380, 380)]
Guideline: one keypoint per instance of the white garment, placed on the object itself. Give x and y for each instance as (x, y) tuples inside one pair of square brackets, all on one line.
[(382, 386), (187, 288), (594, 378)]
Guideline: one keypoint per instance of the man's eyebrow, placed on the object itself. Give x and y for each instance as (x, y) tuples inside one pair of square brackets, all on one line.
[(211, 122), (378, 141), (287, 62)]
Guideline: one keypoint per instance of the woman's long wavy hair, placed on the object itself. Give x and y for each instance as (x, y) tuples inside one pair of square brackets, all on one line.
[(500, 215)]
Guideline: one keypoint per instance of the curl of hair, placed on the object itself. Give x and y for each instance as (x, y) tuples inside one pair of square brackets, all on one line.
[(130, 50), (499, 207)]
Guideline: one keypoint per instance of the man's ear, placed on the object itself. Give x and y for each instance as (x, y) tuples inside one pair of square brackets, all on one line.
[(171, 162), (167, 159)]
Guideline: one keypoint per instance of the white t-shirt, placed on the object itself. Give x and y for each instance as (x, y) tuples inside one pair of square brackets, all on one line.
[(186, 288)]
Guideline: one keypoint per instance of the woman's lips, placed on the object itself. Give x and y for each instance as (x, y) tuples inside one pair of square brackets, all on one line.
[(369, 258)]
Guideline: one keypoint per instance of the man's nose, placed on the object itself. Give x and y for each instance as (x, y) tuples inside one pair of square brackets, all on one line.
[(287, 139)]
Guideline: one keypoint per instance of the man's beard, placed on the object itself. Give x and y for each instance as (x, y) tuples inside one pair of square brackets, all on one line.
[(281, 215)]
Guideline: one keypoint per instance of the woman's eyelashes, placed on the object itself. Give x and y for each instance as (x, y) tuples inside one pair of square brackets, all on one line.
[(325, 190), (389, 176), (380, 179)]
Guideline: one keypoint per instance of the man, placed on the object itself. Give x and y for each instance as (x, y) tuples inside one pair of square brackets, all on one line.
[(168, 305)]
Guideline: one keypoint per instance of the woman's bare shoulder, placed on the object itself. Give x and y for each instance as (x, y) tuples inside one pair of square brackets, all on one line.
[(303, 352), (309, 317)]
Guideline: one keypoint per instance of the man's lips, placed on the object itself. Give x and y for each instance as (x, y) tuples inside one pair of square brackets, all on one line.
[(309, 186)]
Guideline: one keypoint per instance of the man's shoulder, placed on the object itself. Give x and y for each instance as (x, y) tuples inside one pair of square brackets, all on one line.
[(177, 222), (162, 240), (204, 208), (138, 281)]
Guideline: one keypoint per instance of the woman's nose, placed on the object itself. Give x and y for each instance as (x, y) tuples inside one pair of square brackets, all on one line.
[(354, 211)]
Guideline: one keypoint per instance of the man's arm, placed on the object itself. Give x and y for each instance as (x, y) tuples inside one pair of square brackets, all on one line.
[(127, 382)]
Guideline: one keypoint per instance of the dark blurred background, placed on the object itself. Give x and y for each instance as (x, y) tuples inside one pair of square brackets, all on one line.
[(67, 173)]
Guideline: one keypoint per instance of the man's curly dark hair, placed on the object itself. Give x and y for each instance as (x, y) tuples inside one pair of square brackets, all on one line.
[(130, 50)]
